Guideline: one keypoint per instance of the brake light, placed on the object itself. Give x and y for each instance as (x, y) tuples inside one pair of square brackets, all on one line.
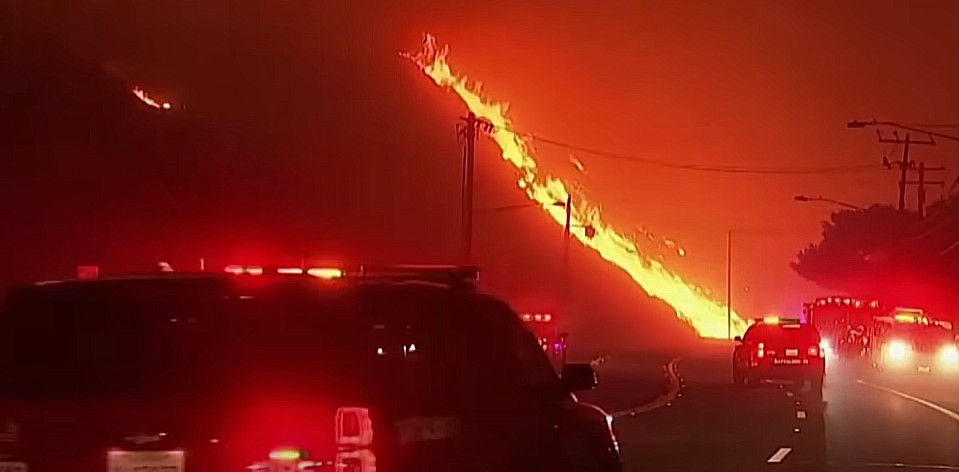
[(527, 317), (761, 350), (814, 351), (354, 436)]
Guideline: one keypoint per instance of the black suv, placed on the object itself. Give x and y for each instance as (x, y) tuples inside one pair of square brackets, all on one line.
[(216, 372), (775, 349)]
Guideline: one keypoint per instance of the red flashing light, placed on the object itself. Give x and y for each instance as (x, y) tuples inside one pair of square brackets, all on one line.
[(761, 350), (537, 318), (289, 271), (325, 272), (286, 454), (234, 269), (88, 272)]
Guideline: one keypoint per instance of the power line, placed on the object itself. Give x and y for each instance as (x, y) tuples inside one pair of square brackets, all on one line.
[(701, 168)]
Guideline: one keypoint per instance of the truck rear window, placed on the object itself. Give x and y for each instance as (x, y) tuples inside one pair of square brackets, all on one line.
[(89, 342)]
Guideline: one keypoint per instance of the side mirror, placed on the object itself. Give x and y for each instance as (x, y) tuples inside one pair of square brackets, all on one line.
[(578, 377), (738, 339)]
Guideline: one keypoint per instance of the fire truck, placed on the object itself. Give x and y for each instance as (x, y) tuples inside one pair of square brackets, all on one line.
[(843, 323), (907, 340), (553, 342)]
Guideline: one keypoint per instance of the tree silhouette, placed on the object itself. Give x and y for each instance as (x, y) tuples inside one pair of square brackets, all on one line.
[(858, 249)]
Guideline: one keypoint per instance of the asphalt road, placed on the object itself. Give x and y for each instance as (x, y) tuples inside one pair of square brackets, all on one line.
[(864, 421)]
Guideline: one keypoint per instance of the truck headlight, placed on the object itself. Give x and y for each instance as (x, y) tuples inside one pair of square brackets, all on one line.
[(898, 350), (949, 355)]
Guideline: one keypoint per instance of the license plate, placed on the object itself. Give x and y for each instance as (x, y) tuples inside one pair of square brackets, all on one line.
[(925, 369), (145, 461), (792, 352), (13, 467), (787, 361)]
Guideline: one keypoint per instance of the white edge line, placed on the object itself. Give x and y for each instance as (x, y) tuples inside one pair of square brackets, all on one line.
[(779, 455), (926, 403)]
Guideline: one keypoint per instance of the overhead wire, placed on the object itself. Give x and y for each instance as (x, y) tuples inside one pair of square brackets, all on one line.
[(726, 169)]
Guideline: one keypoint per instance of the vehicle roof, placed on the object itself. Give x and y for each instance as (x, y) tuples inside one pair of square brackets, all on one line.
[(198, 286), (784, 329)]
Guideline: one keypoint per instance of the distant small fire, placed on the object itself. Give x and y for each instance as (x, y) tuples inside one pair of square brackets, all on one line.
[(145, 98)]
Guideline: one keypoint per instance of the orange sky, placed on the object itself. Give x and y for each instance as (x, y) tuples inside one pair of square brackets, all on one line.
[(699, 82), (743, 83)]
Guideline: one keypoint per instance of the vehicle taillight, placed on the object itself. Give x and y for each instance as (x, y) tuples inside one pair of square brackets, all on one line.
[(814, 351), (761, 350), (354, 436)]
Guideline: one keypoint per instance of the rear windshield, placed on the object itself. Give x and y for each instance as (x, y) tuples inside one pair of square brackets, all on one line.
[(782, 333), (108, 342)]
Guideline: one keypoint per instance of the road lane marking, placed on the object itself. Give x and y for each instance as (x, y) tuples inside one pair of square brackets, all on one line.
[(779, 455), (925, 403), (789, 394), (666, 399), (900, 465), (800, 414)]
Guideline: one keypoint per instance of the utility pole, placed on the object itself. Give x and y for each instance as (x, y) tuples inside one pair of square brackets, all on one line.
[(567, 239), (921, 183), (729, 284), (904, 164), (467, 130)]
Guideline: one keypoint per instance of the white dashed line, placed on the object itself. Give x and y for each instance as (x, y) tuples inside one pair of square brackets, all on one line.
[(779, 455), (926, 403), (789, 394), (800, 414)]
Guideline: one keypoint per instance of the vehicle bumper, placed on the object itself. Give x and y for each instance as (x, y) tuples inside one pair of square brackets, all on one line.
[(921, 363), (814, 369)]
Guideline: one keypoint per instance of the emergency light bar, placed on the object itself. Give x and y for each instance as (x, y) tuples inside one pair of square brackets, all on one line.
[(318, 272), (847, 301), (775, 320), (446, 274)]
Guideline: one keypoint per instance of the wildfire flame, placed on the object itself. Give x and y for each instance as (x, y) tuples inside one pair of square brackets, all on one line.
[(692, 304), (145, 98)]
